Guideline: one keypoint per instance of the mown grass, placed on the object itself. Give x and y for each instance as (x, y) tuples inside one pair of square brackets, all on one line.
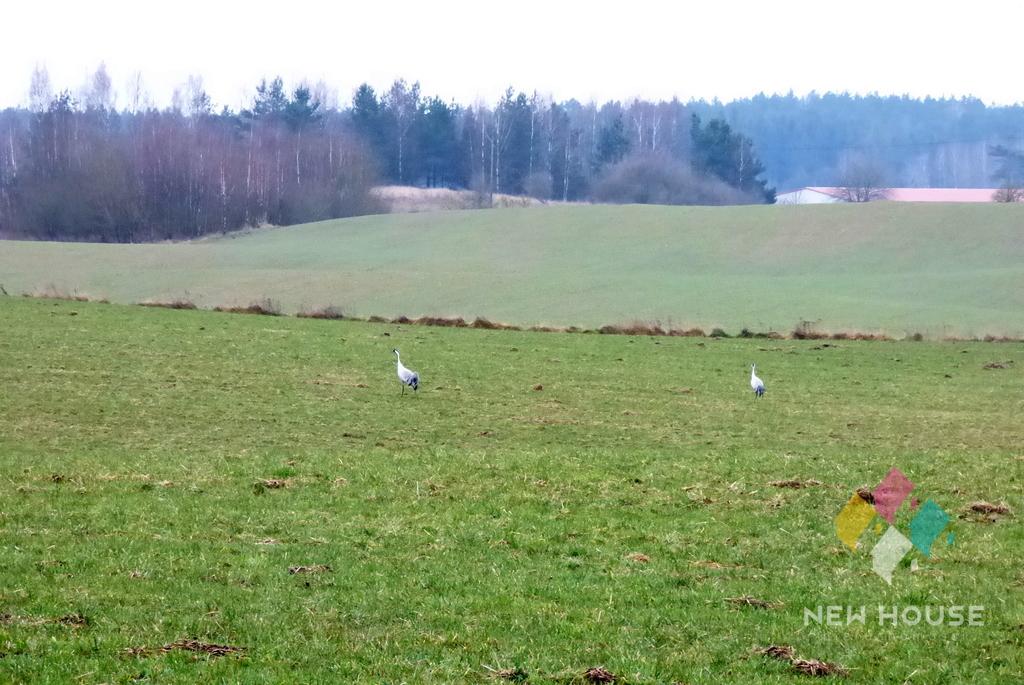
[(895, 267), (483, 524)]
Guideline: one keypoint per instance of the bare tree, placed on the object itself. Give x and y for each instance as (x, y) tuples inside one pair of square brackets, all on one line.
[(402, 101), (136, 90), (1009, 193), (98, 93), (197, 101), (40, 93), (862, 180)]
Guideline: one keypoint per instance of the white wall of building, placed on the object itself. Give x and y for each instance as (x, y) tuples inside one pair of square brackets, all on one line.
[(805, 196)]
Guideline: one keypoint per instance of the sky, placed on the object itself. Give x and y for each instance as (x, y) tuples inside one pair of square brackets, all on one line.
[(472, 51)]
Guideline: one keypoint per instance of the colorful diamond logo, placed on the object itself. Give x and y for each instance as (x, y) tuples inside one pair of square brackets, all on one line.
[(928, 524)]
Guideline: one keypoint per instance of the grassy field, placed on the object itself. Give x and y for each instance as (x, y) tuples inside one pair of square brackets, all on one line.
[(547, 502), (903, 268)]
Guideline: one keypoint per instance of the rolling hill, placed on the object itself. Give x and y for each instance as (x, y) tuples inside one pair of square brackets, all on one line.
[(937, 269)]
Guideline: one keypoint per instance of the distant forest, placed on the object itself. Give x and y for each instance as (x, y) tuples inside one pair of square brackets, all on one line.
[(79, 166)]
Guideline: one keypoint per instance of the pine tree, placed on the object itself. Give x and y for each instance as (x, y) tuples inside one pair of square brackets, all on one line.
[(612, 143), (271, 100), (719, 152)]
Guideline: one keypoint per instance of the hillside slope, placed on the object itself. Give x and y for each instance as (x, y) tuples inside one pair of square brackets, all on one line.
[(900, 267)]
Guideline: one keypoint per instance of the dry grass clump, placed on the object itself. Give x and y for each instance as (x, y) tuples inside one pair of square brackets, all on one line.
[(748, 601), (187, 645), (599, 674), (52, 292), (487, 324), (264, 307), (811, 667), (314, 568), (807, 330), (457, 322), (795, 484), (169, 304), (329, 312), (652, 328), (406, 199)]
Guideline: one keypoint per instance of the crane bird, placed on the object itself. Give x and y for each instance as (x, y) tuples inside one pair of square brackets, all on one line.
[(756, 384), (406, 376)]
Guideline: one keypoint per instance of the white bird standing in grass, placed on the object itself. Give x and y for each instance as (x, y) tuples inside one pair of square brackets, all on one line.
[(406, 376), (756, 384)]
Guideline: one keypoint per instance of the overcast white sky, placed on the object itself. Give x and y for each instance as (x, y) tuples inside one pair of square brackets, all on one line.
[(473, 50)]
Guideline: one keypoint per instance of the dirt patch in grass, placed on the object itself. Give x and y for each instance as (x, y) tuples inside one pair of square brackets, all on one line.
[(817, 668), (315, 568), (986, 511), (989, 508), (999, 365), (515, 675), (812, 667), (188, 645), (264, 484), (638, 557), (714, 565), (865, 494), (75, 620), (795, 484), (72, 620), (50, 563), (748, 601), (783, 652), (599, 674)]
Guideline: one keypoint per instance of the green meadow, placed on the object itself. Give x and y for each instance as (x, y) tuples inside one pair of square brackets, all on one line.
[(901, 268), (547, 503)]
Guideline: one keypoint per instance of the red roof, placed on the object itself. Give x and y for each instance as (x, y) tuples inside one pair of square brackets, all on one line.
[(924, 194)]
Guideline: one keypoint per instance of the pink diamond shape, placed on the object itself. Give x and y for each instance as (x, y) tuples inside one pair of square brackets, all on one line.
[(890, 493)]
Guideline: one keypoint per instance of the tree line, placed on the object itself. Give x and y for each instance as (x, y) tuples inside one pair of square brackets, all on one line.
[(81, 170), (78, 167), (814, 140)]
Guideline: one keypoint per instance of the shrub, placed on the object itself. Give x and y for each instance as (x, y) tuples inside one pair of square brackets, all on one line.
[(806, 330), (264, 307), (329, 312), (649, 178), (487, 324)]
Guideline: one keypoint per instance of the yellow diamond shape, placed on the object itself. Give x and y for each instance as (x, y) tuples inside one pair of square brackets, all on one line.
[(853, 519)]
